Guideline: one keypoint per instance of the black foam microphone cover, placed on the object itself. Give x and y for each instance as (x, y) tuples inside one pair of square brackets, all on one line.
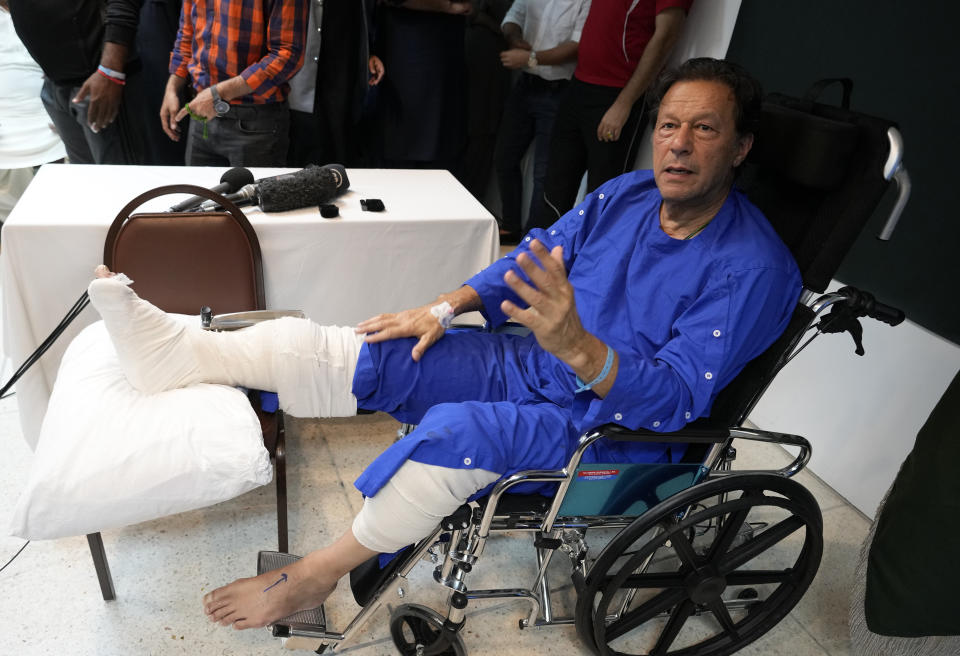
[(306, 188), (340, 173), (237, 177)]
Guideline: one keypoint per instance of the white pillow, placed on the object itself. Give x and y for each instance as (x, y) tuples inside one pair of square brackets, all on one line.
[(109, 456)]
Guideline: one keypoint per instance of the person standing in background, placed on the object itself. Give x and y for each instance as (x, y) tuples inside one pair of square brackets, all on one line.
[(421, 108), (93, 87), (542, 38), (624, 45), (239, 55), (488, 84), (26, 137), (159, 22), (328, 93)]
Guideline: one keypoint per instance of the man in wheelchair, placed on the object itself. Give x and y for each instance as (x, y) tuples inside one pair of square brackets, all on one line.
[(642, 302)]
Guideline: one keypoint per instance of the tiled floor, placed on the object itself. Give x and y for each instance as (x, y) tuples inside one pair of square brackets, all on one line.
[(50, 601)]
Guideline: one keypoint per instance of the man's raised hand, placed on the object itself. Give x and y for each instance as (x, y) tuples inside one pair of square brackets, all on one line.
[(552, 312)]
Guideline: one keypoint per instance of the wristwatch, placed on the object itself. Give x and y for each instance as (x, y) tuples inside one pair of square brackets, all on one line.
[(532, 60), (220, 106)]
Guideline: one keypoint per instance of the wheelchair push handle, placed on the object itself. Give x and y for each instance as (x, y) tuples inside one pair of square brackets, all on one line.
[(863, 304)]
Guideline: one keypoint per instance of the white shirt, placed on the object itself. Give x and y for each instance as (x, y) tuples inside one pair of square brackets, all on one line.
[(546, 24), (26, 138), (303, 84)]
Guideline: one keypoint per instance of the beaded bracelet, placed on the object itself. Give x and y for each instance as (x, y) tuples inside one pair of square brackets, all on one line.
[(197, 117)]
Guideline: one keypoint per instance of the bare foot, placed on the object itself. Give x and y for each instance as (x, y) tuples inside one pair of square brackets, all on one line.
[(262, 600)]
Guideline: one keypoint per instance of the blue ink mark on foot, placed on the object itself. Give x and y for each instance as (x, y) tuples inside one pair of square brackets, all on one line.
[(283, 577)]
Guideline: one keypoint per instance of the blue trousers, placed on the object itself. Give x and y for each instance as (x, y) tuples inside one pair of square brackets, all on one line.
[(476, 404)]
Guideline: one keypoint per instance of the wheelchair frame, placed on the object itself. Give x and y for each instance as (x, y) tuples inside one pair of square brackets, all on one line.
[(468, 529)]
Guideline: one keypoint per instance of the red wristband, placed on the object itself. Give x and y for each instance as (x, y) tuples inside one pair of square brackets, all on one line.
[(112, 79)]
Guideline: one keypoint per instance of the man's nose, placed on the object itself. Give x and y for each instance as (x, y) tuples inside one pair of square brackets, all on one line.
[(682, 139)]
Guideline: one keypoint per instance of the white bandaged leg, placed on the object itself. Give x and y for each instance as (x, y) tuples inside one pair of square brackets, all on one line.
[(413, 502), (310, 367)]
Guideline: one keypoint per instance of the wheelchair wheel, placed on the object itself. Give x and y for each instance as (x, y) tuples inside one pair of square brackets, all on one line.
[(659, 588), (416, 630)]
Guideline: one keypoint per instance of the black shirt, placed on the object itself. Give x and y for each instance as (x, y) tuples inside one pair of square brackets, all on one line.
[(65, 37)]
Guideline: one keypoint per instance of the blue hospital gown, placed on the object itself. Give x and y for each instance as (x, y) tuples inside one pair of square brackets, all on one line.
[(684, 316)]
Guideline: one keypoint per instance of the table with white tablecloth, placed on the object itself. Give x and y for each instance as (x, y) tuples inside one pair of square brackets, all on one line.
[(431, 237)]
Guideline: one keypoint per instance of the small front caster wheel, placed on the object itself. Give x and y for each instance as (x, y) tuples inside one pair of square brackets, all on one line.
[(418, 631)]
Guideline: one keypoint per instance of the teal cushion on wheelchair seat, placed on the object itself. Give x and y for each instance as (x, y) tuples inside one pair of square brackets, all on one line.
[(626, 489)]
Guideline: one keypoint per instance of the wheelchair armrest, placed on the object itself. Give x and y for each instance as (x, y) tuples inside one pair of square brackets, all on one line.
[(695, 434), (508, 327), (691, 434), (785, 439)]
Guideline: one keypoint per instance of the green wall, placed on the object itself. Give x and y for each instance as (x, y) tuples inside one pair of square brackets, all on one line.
[(904, 60)]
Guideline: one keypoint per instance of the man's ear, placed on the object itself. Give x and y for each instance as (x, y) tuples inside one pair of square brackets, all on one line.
[(744, 144)]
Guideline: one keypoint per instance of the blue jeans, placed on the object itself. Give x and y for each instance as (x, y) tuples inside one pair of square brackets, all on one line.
[(249, 135), (528, 117)]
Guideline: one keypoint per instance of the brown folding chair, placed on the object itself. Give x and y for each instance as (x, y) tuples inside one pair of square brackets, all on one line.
[(182, 262)]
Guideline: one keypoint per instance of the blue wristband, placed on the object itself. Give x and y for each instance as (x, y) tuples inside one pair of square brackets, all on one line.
[(607, 366)]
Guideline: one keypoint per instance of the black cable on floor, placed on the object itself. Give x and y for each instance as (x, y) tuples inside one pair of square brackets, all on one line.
[(15, 555)]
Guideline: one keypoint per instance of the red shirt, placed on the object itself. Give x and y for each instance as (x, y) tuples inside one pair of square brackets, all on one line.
[(615, 36)]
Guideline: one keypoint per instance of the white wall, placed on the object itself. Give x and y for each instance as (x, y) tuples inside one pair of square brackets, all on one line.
[(861, 414), (706, 33)]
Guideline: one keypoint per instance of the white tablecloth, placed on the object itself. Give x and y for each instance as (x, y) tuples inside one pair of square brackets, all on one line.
[(432, 236)]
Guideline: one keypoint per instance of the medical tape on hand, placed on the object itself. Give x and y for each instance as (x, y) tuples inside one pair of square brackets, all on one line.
[(122, 278), (444, 314)]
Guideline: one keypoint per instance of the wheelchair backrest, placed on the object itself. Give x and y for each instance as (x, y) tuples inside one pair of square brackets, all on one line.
[(817, 173)]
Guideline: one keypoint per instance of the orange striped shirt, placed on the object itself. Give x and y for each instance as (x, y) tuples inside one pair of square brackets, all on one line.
[(260, 40)]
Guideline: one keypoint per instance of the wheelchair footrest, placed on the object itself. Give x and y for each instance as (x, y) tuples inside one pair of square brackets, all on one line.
[(313, 619)]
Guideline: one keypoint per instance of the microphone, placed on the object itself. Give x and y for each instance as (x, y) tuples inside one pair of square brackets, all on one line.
[(230, 182), (289, 191)]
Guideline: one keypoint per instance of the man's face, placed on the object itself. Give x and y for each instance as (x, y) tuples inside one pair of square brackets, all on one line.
[(695, 143)]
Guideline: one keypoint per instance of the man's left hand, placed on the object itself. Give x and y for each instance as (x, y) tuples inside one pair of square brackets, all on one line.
[(613, 121), (376, 69), (461, 7), (201, 105), (552, 312), (515, 58), (104, 100)]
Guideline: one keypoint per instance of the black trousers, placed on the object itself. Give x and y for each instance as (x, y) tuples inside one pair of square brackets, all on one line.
[(574, 147), (118, 143), (529, 116), (249, 135)]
